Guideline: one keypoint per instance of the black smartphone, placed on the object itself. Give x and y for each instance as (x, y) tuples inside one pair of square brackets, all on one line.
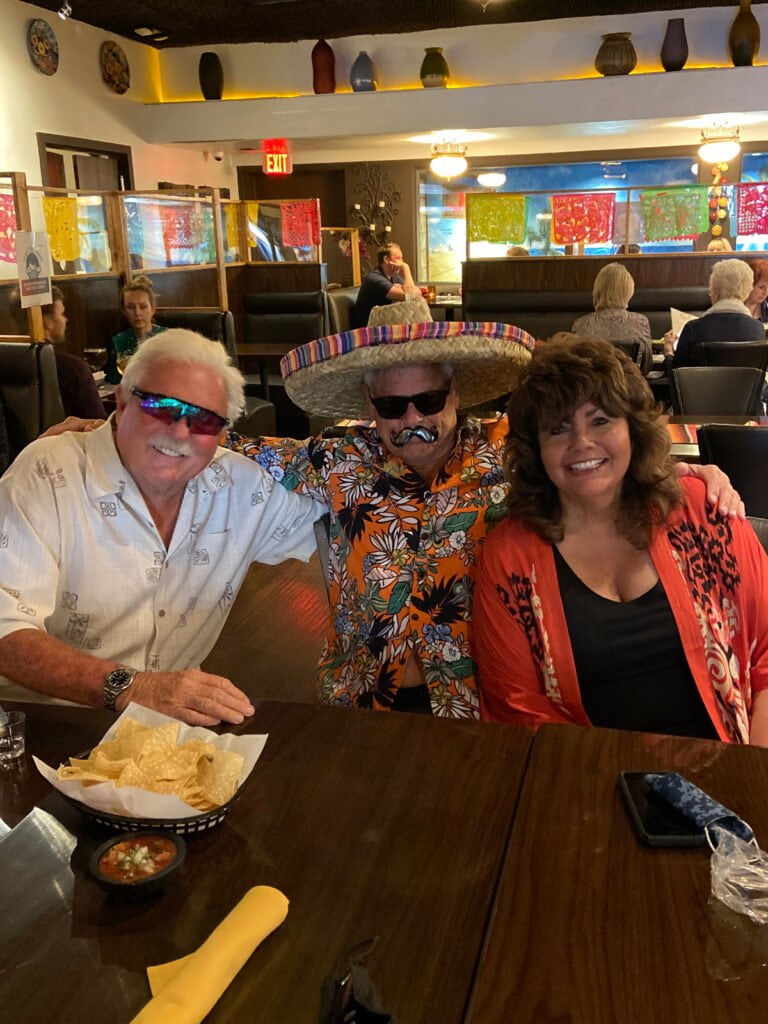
[(656, 822)]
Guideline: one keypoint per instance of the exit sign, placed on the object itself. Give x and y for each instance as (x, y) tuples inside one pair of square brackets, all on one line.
[(276, 156)]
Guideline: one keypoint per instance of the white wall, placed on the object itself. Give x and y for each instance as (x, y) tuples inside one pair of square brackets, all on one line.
[(76, 102)]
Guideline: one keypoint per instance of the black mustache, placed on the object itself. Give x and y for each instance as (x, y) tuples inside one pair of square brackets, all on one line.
[(426, 434)]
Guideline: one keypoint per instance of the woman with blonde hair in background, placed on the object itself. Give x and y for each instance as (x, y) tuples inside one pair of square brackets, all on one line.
[(138, 303), (612, 321)]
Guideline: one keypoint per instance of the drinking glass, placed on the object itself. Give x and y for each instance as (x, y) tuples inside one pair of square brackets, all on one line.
[(12, 739)]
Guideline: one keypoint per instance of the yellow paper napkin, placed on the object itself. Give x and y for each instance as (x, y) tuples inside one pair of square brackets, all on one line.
[(185, 990)]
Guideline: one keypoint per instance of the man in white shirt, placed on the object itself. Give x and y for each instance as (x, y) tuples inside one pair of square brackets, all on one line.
[(122, 549)]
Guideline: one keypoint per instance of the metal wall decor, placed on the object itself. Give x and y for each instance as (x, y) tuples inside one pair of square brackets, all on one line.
[(42, 47), (375, 203)]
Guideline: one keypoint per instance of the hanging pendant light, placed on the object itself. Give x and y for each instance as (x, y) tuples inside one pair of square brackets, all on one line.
[(719, 144), (491, 179), (448, 159)]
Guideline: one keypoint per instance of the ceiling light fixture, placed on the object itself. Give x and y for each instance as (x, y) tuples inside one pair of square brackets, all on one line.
[(448, 159), (719, 144), (65, 10), (491, 179)]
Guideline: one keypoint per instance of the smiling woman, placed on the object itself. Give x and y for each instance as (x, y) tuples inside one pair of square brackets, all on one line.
[(595, 594)]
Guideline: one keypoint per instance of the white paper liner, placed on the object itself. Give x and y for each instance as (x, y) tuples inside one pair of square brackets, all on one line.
[(138, 803)]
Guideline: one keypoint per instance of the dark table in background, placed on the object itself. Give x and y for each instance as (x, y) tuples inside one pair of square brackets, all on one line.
[(371, 824), (589, 927)]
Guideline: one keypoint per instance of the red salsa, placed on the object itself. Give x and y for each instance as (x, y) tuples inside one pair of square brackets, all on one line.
[(131, 860)]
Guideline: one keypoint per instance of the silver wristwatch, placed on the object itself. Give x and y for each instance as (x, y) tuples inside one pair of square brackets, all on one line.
[(115, 682)]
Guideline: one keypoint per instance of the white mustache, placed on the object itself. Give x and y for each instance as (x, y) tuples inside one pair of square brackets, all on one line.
[(426, 434), (172, 444)]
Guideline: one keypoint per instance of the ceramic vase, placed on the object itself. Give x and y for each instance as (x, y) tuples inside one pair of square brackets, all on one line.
[(211, 75), (744, 37), (434, 71), (362, 78), (323, 68), (616, 55), (674, 49)]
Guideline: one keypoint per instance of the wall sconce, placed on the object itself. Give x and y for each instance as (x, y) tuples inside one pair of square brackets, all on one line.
[(719, 144), (376, 207), (448, 159)]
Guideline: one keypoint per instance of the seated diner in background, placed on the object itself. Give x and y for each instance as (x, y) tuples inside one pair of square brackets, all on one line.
[(79, 394), (612, 321), (613, 595), (757, 300), (727, 319), (139, 304), (390, 281), (123, 548)]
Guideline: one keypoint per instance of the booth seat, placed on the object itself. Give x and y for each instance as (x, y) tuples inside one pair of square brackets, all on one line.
[(544, 313), (29, 391), (219, 325)]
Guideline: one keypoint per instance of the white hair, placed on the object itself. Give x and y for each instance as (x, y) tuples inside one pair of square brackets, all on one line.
[(187, 348), (370, 375), (731, 279)]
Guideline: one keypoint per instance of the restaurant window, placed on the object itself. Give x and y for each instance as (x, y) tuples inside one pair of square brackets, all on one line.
[(443, 223)]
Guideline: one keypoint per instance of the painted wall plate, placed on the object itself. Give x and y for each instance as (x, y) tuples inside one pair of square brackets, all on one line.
[(114, 66), (42, 46)]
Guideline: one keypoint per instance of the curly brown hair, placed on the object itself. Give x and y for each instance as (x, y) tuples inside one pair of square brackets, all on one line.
[(563, 375)]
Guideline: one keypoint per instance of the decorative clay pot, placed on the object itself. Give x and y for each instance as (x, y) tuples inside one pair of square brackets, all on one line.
[(211, 75), (674, 49), (616, 55), (323, 67), (434, 71), (362, 77), (744, 37)]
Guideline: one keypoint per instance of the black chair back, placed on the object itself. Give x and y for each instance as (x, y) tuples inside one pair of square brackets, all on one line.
[(218, 325), (742, 453), (275, 318), (629, 348), (760, 526), (735, 353), (717, 391), (29, 391)]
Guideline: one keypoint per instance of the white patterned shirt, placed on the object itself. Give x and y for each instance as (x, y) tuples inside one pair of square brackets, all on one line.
[(82, 560)]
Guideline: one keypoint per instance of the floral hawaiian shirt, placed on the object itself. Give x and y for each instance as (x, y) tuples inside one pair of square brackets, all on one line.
[(402, 558)]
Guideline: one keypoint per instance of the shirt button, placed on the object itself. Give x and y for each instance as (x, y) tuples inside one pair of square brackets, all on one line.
[(161, 613)]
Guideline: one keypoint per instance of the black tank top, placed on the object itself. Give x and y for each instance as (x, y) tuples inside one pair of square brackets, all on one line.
[(630, 662)]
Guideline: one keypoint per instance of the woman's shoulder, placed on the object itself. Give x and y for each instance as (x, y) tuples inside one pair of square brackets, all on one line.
[(508, 539)]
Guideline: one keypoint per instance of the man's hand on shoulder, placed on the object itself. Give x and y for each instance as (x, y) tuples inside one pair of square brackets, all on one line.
[(720, 491), (192, 696), (74, 423)]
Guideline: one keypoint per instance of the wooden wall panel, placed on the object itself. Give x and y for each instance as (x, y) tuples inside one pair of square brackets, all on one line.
[(567, 273)]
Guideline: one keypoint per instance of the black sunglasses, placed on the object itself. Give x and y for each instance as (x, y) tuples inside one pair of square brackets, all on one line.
[(170, 410), (428, 403)]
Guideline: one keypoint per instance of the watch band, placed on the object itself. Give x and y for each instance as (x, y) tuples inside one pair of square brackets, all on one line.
[(116, 682)]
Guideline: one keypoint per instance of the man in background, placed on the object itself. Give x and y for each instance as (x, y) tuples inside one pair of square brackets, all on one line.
[(391, 281), (79, 394)]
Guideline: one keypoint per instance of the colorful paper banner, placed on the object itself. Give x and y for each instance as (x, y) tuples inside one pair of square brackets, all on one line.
[(232, 226), (7, 229), (583, 217), (675, 213), (61, 225), (752, 217), (300, 223), (497, 218)]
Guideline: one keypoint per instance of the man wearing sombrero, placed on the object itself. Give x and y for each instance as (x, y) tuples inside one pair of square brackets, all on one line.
[(411, 498)]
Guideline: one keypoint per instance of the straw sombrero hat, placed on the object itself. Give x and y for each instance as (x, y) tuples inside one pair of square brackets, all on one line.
[(324, 377)]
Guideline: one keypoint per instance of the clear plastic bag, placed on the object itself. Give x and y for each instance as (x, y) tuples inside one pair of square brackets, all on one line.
[(739, 873)]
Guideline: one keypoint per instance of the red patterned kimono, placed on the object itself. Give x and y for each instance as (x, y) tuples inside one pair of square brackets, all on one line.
[(715, 574)]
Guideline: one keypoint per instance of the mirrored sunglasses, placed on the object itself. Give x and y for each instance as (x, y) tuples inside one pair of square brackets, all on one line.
[(428, 403), (170, 410)]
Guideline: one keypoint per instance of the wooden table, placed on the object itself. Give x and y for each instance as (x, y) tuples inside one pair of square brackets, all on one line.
[(372, 824), (588, 926)]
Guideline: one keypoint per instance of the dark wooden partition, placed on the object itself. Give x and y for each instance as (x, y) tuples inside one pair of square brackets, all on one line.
[(570, 273)]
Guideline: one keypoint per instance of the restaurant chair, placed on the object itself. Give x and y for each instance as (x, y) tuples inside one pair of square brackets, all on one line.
[(29, 391), (735, 353), (717, 391), (742, 453), (629, 348), (760, 526)]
